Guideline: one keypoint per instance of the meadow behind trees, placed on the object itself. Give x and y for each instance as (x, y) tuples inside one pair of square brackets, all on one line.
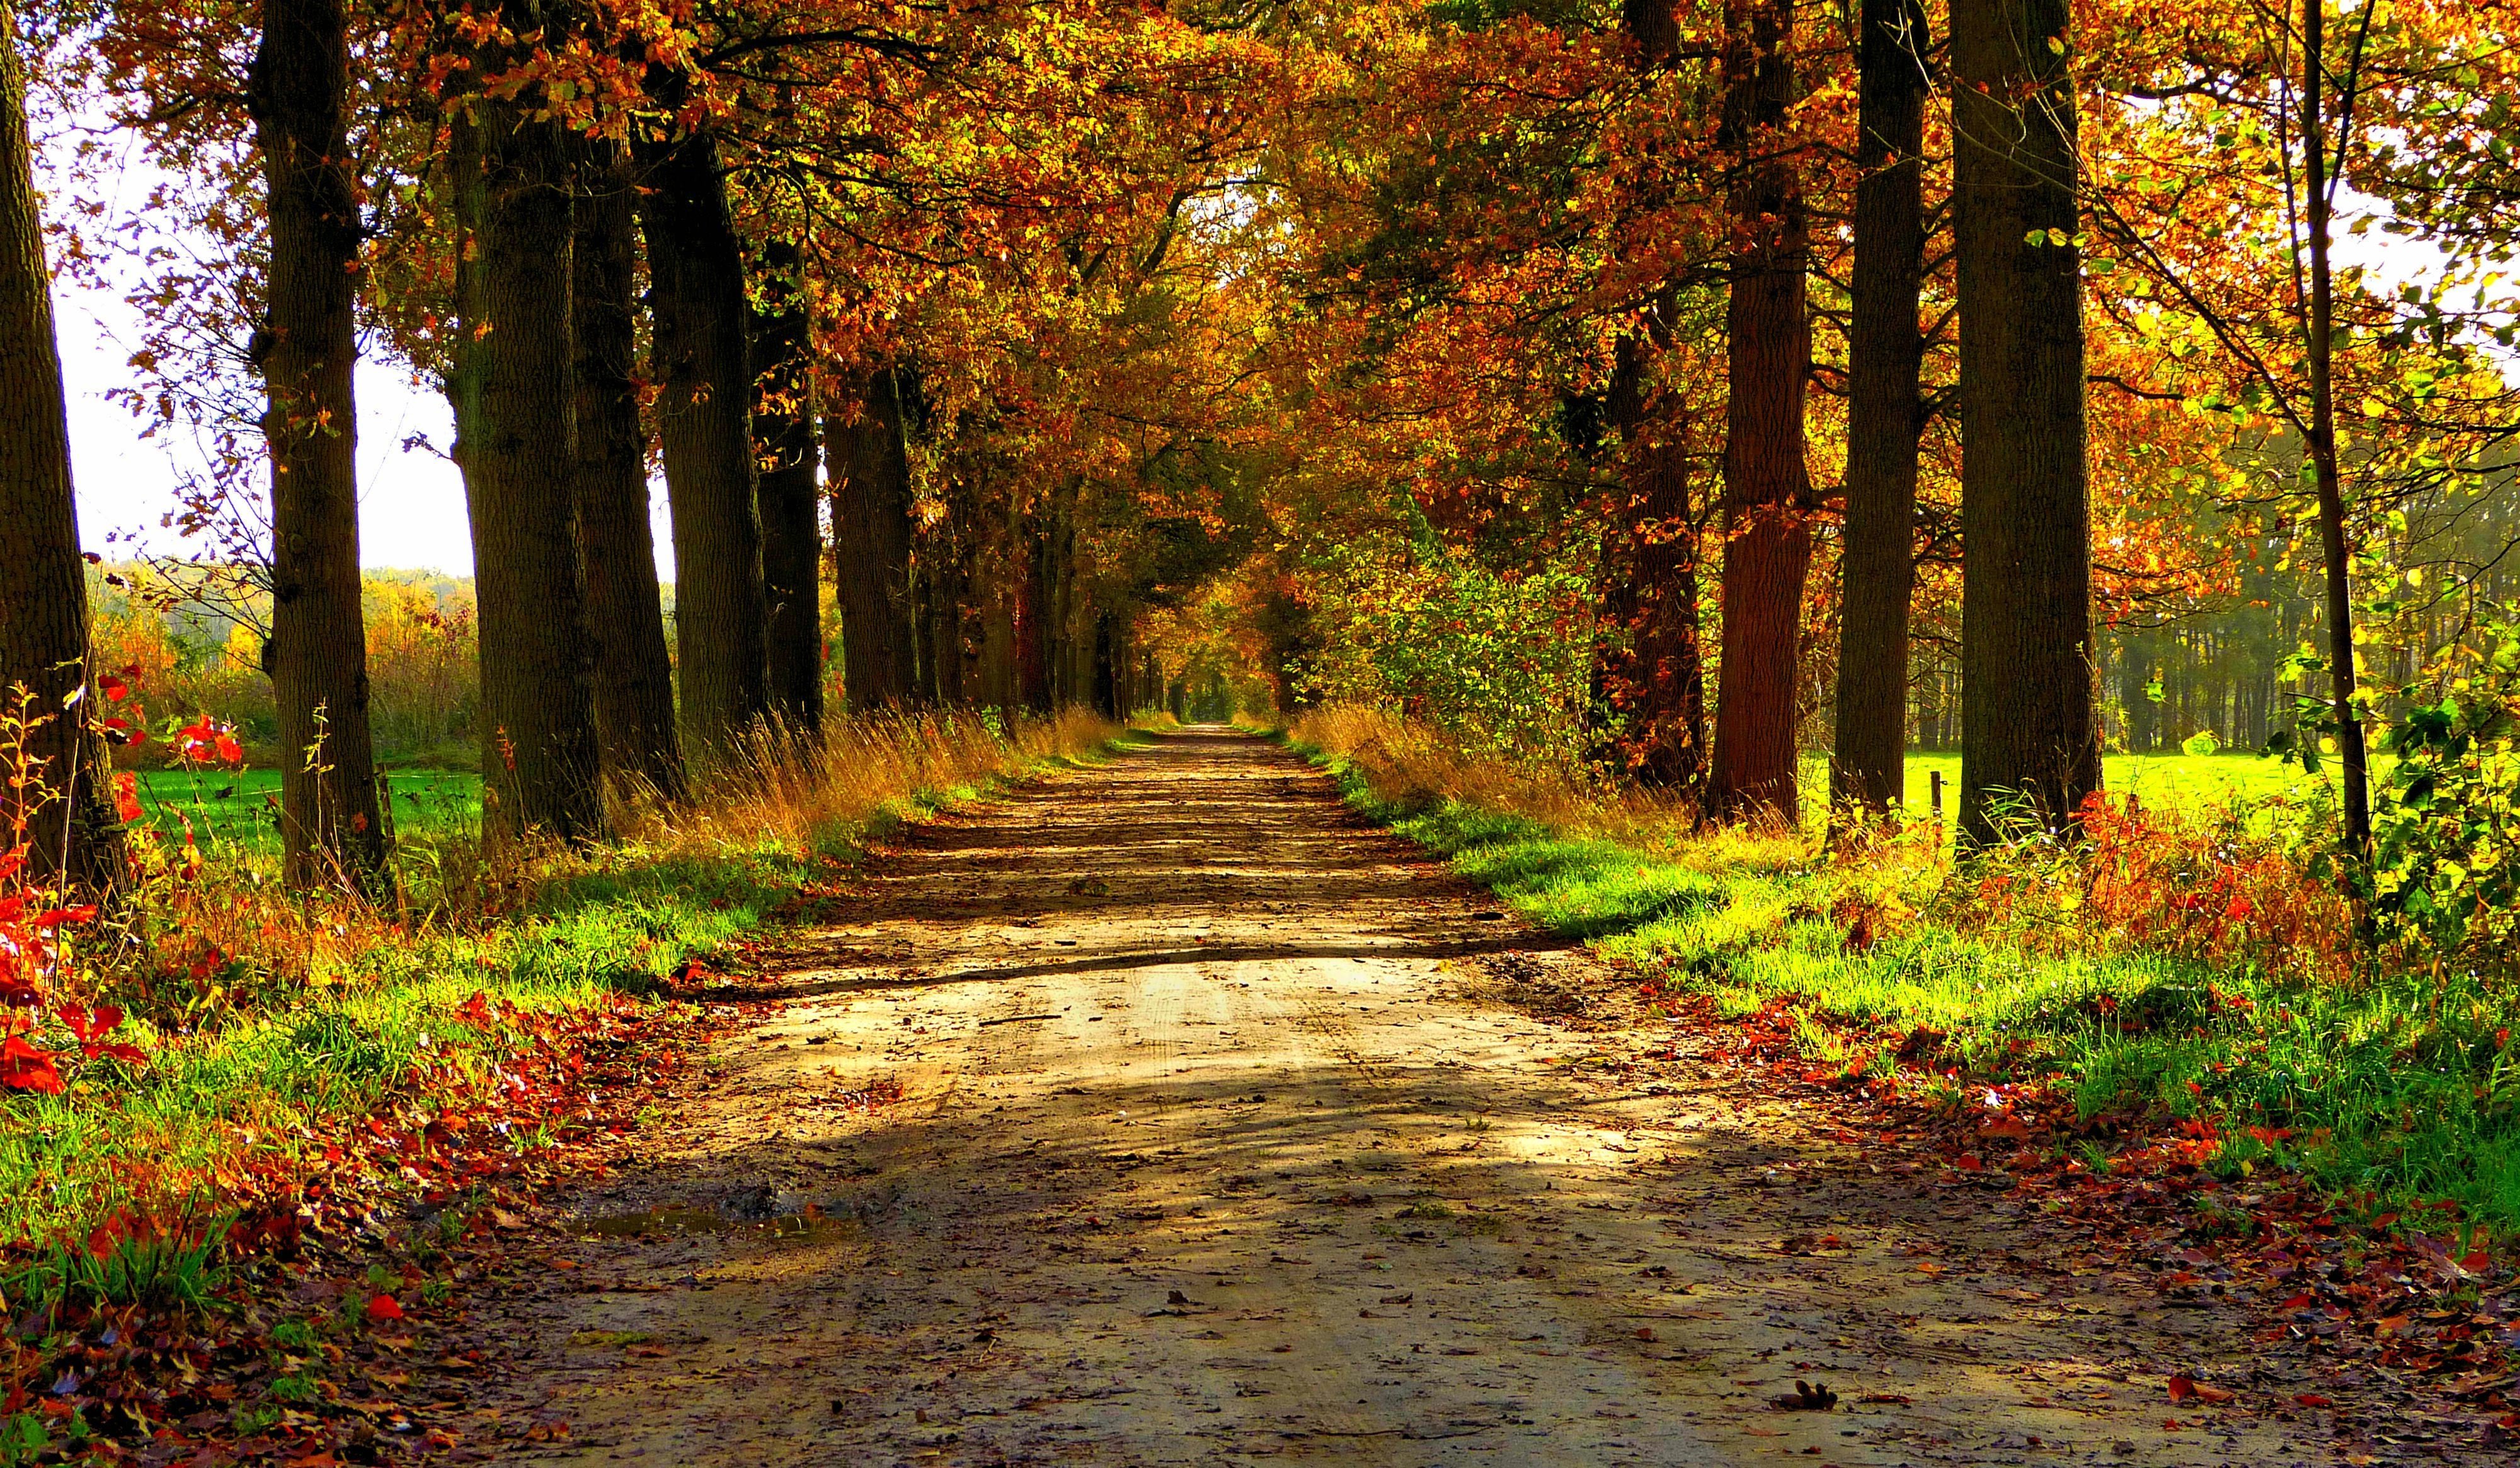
[(1646, 452)]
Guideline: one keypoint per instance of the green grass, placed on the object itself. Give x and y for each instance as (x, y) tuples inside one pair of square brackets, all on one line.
[(260, 1087), (2161, 780), (2404, 1087), (269, 1083), (240, 807)]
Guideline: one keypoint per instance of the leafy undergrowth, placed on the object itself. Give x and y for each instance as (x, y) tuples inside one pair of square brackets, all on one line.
[(2165, 1023), (235, 1095)]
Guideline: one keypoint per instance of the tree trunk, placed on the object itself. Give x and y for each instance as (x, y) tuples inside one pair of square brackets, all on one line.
[(2027, 732), (704, 406), (332, 833), (1885, 415), (870, 536), (634, 672), (2334, 544), (66, 820), (1650, 674), (791, 531), (940, 568), (1032, 641), (513, 389), (1767, 544)]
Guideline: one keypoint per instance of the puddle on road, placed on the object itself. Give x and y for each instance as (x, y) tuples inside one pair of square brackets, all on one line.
[(681, 1222)]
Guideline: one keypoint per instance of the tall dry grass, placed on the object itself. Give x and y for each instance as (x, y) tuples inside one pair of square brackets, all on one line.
[(804, 794), (1409, 766)]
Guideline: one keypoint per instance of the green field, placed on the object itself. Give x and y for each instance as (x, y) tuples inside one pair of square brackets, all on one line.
[(2165, 780), (240, 807)]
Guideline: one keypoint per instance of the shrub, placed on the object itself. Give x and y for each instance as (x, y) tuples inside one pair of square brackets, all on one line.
[(2446, 871)]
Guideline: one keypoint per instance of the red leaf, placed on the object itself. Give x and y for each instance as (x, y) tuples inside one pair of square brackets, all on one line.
[(2311, 1399), (114, 688), (23, 1067), (89, 1025), (55, 918), (2182, 1387), (384, 1308), (229, 750)]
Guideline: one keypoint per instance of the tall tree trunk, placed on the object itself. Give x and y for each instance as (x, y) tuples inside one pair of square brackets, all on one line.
[(515, 424), (1032, 640), (704, 366), (791, 531), (634, 671), (2027, 730), (871, 537), (1885, 415), (2335, 547), (65, 818), (1768, 543), (940, 574), (1650, 674), (330, 830)]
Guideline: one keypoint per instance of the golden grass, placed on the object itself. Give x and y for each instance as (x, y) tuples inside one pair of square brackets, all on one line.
[(1410, 764), (803, 794)]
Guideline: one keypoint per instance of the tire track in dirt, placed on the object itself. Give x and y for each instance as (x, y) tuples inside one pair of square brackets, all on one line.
[(1216, 1147)]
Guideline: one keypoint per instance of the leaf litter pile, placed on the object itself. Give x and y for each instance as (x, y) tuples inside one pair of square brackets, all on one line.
[(319, 1323)]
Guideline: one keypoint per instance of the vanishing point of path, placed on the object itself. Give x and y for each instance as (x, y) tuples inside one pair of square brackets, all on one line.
[(1224, 1135)]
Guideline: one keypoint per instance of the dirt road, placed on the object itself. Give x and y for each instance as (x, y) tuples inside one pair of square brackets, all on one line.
[(1224, 1135)]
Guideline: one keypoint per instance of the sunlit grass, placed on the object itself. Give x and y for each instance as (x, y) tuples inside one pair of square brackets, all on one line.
[(2400, 1084), (316, 1013), (2157, 778), (240, 807)]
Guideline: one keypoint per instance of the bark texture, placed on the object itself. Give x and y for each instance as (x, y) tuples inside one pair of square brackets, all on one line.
[(1767, 544), (791, 530), (704, 363), (870, 536), (2027, 730), (66, 820), (1885, 413), (515, 421), (633, 670), (1653, 677), (330, 830)]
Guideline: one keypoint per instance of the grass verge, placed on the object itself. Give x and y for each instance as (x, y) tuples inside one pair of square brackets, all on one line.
[(2177, 986), (278, 1029)]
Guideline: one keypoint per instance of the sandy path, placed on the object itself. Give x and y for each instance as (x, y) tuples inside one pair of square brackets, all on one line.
[(1219, 1142)]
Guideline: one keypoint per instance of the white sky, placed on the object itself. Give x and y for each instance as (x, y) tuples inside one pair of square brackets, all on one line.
[(411, 502)]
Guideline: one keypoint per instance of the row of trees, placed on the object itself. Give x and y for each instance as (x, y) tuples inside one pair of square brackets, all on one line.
[(926, 274), (1492, 326), (2069, 284)]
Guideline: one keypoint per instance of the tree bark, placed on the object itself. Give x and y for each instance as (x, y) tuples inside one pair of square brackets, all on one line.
[(1885, 414), (1032, 640), (704, 365), (871, 537), (1767, 544), (332, 833), (791, 530), (633, 670), (2027, 730), (65, 820), (2334, 543), (940, 579), (516, 421), (1650, 675)]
